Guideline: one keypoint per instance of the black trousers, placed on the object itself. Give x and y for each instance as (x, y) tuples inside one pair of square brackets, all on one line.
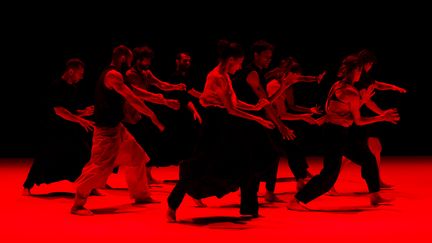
[(338, 142), (296, 160), (248, 188)]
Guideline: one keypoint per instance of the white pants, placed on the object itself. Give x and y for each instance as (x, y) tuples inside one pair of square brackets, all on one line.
[(112, 147)]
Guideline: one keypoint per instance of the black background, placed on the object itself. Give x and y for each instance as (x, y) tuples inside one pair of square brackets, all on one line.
[(39, 39)]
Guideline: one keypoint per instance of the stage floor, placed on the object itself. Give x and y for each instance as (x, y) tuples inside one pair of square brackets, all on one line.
[(348, 217)]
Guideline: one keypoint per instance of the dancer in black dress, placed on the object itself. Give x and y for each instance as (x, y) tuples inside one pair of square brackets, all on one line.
[(220, 165), (66, 142)]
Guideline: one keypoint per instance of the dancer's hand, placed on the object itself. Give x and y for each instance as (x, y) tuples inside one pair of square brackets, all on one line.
[(181, 87), (87, 125), (400, 90), (309, 119), (173, 104), (367, 94), (158, 124), (391, 115), (321, 76), (286, 133), (197, 117), (262, 103), (88, 111), (267, 124), (316, 110)]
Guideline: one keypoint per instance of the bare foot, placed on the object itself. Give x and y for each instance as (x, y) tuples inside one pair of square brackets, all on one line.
[(171, 215), (296, 205), (384, 185), (333, 192), (81, 211), (26, 192), (199, 203), (376, 199), (300, 184), (271, 197)]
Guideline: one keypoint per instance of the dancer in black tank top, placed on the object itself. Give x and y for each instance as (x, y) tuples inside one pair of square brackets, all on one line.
[(112, 143)]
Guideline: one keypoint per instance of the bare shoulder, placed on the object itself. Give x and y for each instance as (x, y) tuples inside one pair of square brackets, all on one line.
[(113, 78), (114, 74), (253, 74), (131, 73), (213, 74)]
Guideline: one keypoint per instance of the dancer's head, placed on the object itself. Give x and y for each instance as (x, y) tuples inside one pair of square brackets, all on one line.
[(351, 69), (230, 55), (367, 58), (263, 52), (122, 57), (183, 61), (290, 64), (143, 57), (74, 71)]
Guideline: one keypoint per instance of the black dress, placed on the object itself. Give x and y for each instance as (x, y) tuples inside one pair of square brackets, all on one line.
[(64, 146), (220, 163), (179, 139)]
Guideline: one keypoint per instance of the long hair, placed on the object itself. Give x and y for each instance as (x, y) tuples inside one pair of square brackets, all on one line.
[(349, 64), (228, 49)]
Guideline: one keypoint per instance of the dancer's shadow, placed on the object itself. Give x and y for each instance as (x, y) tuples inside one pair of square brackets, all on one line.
[(120, 209), (170, 181), (342, 210), (55, 195), (232, 205), (347, 194), (286, 179), (219, 222)]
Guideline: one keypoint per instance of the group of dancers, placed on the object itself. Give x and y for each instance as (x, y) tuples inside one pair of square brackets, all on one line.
[(225, 137)]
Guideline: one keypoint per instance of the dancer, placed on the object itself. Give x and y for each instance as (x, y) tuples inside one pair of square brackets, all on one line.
[(67, 135), (367, 86), (343, 109), (146, 84), (250, 87), (112, 143), (289, 111), (220, 165)]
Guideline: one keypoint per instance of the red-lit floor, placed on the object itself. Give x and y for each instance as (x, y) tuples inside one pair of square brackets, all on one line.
[(349, 218)]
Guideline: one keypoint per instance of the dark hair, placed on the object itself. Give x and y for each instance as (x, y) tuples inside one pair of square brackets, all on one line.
[(178, 56), (74, 63), (142, 52), (292, 63), (261, 45), (120, 51), (295, 68), (228, 49), (349, 63), (366, 56)]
